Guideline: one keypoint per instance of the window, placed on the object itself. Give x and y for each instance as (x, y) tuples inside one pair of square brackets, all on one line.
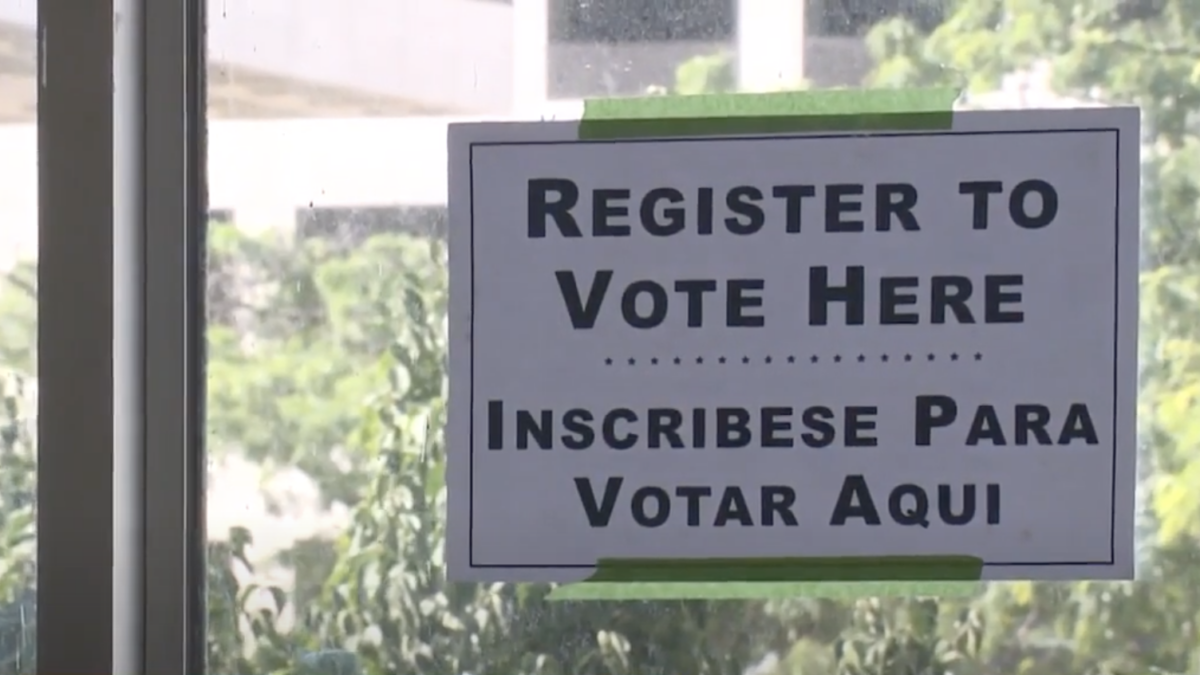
[(641, 21), (854, 18), (327, 351), (352, 226), (18, 343)]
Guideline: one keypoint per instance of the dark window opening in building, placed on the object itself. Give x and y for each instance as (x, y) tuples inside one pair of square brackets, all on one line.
[(853, 18), (347, 227), (626, 21)]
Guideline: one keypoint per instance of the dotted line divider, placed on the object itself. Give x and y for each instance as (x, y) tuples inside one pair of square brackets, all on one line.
[(792, 359)]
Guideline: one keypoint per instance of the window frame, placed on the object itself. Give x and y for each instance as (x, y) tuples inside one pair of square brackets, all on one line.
[(120, 530)]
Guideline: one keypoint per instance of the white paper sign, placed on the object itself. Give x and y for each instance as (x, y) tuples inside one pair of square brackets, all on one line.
[(799, 345)]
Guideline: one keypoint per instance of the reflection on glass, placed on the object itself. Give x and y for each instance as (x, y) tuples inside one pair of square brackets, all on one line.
[(327, 299), (18, 335)]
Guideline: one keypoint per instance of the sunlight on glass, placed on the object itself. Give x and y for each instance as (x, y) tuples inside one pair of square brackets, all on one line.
[(18, 336), (327, 298)]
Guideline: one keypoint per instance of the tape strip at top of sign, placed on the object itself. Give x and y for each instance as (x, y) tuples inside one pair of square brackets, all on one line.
[(869, 112), (783, 112)]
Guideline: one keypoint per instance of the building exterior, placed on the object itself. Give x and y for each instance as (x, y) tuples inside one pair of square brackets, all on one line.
[(327, 106)]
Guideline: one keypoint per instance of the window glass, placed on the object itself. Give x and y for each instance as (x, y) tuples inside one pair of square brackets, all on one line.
[(654, 21), (847, 18), (18, 336), (351, 226), (327, 295)]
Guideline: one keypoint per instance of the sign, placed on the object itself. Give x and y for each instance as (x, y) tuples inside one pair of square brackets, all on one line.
[(918, 343)]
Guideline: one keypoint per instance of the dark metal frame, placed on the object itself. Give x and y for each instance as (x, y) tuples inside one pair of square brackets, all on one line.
[(121, 212)]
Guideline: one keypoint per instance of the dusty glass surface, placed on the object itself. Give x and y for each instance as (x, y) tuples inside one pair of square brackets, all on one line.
[(18, 335), (327, 298)]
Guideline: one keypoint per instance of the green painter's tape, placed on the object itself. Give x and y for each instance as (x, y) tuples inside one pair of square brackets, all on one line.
[(716, 578), (886, 568), (732, 114), (766, 591)]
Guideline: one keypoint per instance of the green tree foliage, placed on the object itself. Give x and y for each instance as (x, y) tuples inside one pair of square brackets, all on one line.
[(18, 494), (331, 358), (707, 74)]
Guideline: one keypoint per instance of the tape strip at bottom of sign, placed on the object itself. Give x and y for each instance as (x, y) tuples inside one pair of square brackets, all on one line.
[(739, 578), (732, 114)]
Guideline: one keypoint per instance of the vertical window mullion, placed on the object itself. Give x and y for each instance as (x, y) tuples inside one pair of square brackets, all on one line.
[(175, 216), (75, 338)]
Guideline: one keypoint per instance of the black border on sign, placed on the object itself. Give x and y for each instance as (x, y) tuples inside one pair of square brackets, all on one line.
[(1112, 522)]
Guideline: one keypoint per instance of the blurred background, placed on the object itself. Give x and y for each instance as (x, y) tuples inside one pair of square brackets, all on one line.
[(369, 85)]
